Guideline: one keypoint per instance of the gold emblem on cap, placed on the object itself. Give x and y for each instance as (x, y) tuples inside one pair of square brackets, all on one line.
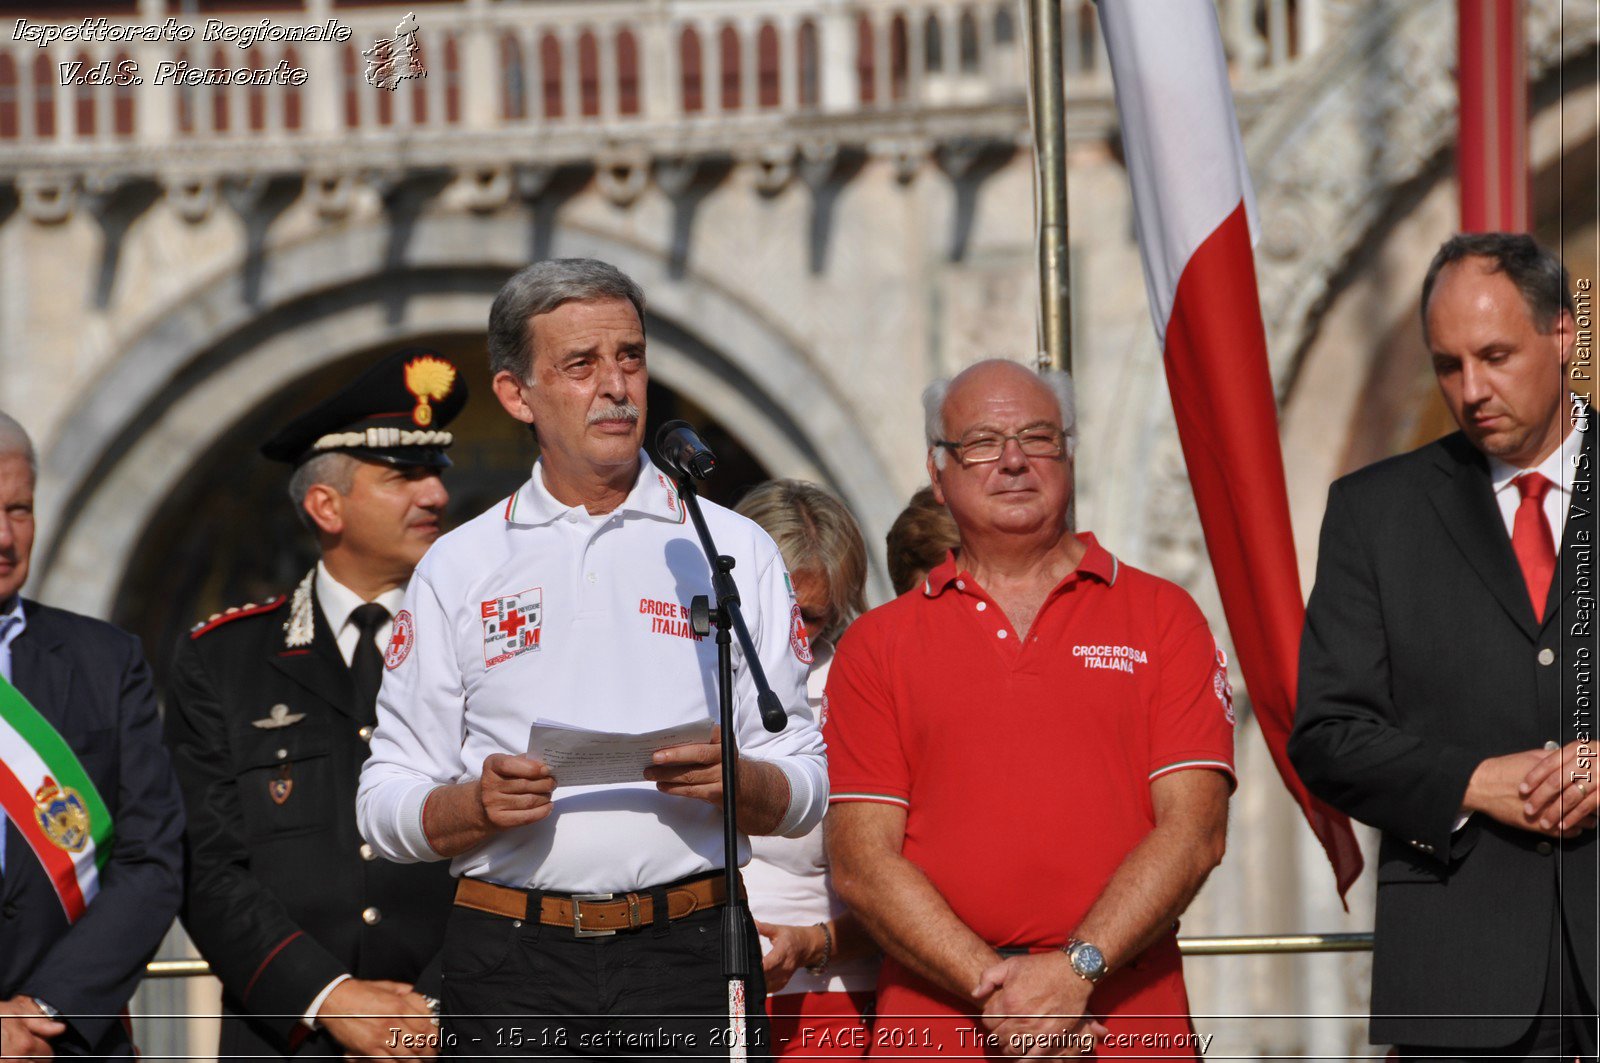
[(428, 378)]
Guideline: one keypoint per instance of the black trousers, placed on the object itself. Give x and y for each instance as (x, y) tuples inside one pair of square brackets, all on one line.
[(513, 988), (1563, 1030)]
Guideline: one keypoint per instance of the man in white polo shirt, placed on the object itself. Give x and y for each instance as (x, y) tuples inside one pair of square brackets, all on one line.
[(568, 603)]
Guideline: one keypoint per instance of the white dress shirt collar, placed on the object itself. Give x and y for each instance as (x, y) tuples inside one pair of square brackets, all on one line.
[(337, 602)]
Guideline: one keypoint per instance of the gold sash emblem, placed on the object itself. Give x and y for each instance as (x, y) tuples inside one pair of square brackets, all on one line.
[(429, 379), (62, 816)]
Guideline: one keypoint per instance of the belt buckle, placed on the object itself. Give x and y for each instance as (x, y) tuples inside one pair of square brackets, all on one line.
[(577, 914)]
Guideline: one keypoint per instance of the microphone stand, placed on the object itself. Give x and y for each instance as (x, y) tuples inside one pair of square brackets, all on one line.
[(729, 622)]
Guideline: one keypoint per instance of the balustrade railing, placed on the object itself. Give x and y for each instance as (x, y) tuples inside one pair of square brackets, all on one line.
[(550, 67)]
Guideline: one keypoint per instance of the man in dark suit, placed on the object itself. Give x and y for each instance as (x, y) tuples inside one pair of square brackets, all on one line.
[(1447, 676), (321, 947), (67, 968)]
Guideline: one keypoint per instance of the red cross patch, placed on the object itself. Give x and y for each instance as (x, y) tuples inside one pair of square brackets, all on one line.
[(511, 625), (401, 641), (797, 636)]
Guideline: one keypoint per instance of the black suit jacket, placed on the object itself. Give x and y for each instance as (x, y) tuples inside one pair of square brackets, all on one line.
[(284, 896), (91, 682), (1422, 657)]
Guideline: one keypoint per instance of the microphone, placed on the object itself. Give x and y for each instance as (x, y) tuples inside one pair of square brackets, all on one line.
[(683, 452)]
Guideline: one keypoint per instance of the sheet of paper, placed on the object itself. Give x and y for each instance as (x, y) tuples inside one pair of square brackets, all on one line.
[(578, 757)]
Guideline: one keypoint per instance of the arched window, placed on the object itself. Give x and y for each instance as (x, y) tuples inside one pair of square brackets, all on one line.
[(219, 95), (769, 91), (899, 58), (550, 75), (255, 95), (185, 107), (810, 76), (732, 75), (866, 64), (588, 74), (932, 45), (968, 40), (513, 80), (627, 73), (292, 118), (452, 80), (692, 87), (83, 111), (44, 97), (352, 88), (385, 106), (10, 128), (1005, 26), (122, 105)]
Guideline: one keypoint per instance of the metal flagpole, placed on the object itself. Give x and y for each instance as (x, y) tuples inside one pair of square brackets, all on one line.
[(1050, 156)]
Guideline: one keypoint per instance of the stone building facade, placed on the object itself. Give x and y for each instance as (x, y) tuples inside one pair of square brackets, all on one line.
[(828, 202)]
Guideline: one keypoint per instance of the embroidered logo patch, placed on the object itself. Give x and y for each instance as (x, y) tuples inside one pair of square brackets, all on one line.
[(1221, 686), (1116, 658), (797, 636), (511, 625), (400, 642)]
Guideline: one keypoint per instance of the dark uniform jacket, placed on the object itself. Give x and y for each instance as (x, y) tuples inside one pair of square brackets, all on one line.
[(89, 680), (1421, 658), (283, 895)]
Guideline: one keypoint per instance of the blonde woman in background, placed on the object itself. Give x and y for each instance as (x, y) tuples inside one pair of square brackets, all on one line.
[(820, 964)]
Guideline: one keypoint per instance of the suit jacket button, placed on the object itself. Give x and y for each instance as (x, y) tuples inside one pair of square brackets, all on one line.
[(371, 916), (1544, 848), (9, 911), (1547, 656), (367, 853)]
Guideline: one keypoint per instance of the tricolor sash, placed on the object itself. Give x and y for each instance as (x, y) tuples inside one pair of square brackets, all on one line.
[(52, 802)]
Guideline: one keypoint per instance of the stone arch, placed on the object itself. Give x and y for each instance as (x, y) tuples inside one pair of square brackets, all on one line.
[(200, 365)]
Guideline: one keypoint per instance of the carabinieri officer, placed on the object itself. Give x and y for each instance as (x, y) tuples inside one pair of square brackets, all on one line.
[(586, 916), (321, 946)]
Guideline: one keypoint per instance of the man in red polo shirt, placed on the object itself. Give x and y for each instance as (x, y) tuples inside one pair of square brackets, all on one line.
[(1030, 760)]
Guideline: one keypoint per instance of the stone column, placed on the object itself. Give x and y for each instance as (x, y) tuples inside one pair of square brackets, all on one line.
[(322, 97), (836, 59)]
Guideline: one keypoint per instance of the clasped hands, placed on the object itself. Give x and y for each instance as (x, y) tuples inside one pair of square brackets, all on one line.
[(25, 1031), (1550, 792), (1036, 1006), (515, 789)]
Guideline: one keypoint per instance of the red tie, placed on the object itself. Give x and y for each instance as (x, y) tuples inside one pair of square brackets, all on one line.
[(1532, 541)]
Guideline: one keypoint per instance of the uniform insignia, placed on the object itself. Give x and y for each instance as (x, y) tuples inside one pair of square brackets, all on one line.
[(429, 379), (278, 716), (797, 636), (300, 627), (234, 612), (280, 788), (1221, 686), (511, 625), (401, 641), (62, 815)]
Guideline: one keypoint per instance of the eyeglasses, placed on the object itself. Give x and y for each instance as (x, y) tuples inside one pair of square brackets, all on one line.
[(980, 448)]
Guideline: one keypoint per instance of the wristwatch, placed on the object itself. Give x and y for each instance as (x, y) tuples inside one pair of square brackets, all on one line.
[(1088, 962)]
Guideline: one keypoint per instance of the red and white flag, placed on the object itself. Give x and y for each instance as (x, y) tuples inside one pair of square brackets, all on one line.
[(1194, 211)]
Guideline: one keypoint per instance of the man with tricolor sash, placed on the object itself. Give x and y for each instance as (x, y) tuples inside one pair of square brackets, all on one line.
[(90, 817)]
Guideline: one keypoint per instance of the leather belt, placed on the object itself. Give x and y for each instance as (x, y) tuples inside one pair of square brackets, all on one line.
[(595, 914)]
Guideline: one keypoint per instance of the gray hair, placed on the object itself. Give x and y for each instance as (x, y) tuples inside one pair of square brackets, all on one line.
[(1536, 271), (14, 440), (936, 393), (334, 469), (539, 289)]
